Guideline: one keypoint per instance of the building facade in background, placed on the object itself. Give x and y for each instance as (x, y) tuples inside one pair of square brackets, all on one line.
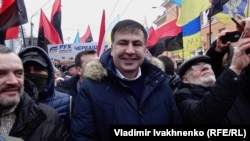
[(209, 31)]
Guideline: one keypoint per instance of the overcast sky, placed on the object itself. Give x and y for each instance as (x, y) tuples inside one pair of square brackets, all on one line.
[(78, 14)]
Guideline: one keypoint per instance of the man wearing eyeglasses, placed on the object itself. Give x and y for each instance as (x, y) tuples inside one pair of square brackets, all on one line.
[(200, 73), (202, 99)]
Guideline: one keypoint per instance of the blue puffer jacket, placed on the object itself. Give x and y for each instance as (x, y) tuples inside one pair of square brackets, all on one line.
[(58, 100), (108, 101)]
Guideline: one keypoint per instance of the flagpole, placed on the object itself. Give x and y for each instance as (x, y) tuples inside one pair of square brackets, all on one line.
[(31, 23), (182, 54), (210, 26), (210, 30), (24, 42)]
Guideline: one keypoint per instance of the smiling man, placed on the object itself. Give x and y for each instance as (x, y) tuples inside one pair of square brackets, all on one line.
[(133, 91), (11, 80), (20, 115)]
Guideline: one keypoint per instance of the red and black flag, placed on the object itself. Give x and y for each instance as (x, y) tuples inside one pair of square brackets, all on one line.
[(166, 38), (12, 14), (56, 17), (101, 42), (153, 37), (87, 37), (47, 33), (167, 44), (12, 33)]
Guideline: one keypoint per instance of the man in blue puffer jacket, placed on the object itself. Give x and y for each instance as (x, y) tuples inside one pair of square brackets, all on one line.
[(39, 76)]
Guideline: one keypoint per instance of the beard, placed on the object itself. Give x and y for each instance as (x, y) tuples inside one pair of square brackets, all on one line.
[(7, 105), (207, 81)]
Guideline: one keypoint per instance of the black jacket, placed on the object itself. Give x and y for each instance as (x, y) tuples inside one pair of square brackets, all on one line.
[(239, 113), (226, 102), (200, 105), (49, 95), (37, 122), (69, 85)]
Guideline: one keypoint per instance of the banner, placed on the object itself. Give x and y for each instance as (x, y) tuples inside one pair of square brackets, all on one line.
[(64, 54)]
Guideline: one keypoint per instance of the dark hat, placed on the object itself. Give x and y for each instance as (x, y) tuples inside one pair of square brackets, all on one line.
[(188, 63), (35, 57), (70, 66)]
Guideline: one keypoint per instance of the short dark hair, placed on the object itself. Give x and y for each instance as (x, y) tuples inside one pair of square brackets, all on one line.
[(5, 50), (78, 61), (127, 26)]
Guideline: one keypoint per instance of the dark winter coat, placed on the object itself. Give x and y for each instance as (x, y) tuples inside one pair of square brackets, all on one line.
[(37, 122), (58, 100), (240, 111), (105, 100), (223, 103), (69, 85), (200, 105)]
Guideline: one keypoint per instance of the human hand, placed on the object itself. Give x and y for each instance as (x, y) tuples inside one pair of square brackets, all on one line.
[(58, 80), (246, 30), (240, 58), (240, 22), (220, 47)]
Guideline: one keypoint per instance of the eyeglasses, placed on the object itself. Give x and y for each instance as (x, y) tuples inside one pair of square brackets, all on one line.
[(199, 66)]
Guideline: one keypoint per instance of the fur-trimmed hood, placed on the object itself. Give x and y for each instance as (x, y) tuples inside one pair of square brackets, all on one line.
[(94, 70), (157, 62)]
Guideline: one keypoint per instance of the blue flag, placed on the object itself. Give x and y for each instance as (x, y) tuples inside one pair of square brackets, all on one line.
[(178, 2), (233, 7), (77, 38)]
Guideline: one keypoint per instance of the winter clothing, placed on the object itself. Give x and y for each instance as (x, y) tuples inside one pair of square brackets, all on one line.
[(222, 103), (69, 85), (201, 105), (58, 100), (216, 58), (106, 99), (239, 112), (37, 122)]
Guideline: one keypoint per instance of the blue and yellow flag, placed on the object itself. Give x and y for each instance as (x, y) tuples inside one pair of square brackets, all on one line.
[(191, 36), (231, 8), (190, 9)]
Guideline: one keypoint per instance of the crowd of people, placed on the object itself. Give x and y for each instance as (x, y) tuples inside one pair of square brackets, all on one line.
[(124, 86)]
